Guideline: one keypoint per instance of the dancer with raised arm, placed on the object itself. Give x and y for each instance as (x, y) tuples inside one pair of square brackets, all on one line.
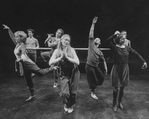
[(52, 42), (68, 61), (19, 39), (95, 76), (124, 36), (120, 70), (123, 33)]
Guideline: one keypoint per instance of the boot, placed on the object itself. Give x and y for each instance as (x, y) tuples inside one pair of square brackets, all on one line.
[(120, 105), (121, 93), (115, 100)]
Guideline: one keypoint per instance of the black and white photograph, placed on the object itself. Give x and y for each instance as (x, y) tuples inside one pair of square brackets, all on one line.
[(74, 59)]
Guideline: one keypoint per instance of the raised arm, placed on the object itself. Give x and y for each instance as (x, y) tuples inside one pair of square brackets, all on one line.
[(91, 33), (10, 33), (48, 38), (113, 36), (53, 42)]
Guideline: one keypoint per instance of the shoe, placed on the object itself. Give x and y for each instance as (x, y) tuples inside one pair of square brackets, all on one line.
[(33, 75), (120, 105), (65, 108), (94, 96), (31, 98), (55, 85), (115, 108), (70, 110)]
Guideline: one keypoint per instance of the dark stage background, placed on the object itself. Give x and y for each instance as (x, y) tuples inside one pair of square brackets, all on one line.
[(75, 18)]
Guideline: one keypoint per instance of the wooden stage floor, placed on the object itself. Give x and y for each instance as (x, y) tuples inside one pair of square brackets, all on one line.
[(48, 104)]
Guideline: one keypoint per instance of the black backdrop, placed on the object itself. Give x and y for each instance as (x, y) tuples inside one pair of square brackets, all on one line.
[(75, 18)]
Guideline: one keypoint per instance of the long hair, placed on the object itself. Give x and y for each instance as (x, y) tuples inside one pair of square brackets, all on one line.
[(22, 35), (60, 46)]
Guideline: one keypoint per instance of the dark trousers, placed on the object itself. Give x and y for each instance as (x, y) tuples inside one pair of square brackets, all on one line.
[(32, 56), (47, 55), (118, 95), (69, 87), (56, 74), (95, 76), (31, 67), (71, 100)]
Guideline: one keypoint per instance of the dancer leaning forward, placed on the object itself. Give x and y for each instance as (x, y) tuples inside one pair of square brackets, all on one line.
[(29, 67), (95, 76)]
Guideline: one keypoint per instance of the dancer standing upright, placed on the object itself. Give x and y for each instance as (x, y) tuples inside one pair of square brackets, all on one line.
[(120, 69), (31, 43), (95, 76), (52, 42), (68, 61), (124, 36)]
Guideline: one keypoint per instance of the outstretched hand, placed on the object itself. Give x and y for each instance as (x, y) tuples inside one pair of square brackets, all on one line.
[(50, 35), (55, 67), (144, 65), (116, 33), (95, 20), (5, 26)]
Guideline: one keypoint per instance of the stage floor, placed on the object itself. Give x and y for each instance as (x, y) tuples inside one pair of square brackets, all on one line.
[(48, 104)]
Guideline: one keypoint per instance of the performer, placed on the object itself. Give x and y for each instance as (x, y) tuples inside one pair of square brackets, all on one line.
[(68, 61), (95, 76), (123, 33), (31, 42), (124, 36), (120, 70), (52, 42), (19, 39)]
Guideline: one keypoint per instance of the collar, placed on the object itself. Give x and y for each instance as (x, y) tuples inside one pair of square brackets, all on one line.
[(120, 46)]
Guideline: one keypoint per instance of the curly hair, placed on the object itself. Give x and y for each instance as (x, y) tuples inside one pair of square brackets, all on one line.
[(22, 35), (32, 30)]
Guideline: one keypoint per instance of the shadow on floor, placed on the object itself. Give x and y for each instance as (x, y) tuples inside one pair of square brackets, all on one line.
[(48, 104)]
